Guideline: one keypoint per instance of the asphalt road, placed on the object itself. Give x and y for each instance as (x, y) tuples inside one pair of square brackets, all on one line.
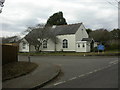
[(106, 78), (78, 71)]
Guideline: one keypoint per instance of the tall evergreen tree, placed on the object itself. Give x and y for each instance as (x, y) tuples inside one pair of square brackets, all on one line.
[(56, 19)]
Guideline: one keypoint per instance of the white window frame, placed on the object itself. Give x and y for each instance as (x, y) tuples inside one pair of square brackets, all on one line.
[(78, 45), (65, 43)]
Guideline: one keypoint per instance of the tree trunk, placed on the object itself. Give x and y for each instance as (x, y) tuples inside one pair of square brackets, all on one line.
[(55, 47)]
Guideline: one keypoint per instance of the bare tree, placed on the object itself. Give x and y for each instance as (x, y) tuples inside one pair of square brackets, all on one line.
[(11, 39), (37, 35), (53, 37)]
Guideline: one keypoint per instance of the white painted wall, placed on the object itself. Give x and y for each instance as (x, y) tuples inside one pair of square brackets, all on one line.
[(59, 45), (21, 49), (73, 39), (50, 46), (81, 33), (32, 48), (71, 42), (95, 44), (86, 47)]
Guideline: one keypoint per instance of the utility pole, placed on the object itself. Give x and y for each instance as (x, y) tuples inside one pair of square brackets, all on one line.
[(119, 14)]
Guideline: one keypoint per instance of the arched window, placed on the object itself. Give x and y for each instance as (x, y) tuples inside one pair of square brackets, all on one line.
[(45, 44), (65, 43)]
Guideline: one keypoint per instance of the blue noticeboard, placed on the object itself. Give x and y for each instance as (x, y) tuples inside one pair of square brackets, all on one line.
[(100, 47)]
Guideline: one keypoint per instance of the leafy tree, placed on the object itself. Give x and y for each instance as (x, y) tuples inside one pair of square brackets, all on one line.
[(89, 30), (56, 19), (114, 43), (100, 35), (115, 34)]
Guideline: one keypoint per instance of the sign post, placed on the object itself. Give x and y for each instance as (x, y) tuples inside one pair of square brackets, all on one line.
[(101, 47)]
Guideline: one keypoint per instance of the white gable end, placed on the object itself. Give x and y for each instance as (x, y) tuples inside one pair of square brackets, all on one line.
[(81, 33), (24, 46)]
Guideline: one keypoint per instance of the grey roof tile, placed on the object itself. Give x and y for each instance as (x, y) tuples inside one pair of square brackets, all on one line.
[(87, 39), (66, 29), (58, 30)]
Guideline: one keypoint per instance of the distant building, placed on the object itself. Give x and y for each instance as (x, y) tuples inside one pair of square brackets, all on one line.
[(71, 37)]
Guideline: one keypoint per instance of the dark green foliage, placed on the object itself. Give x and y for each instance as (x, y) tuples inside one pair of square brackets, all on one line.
[(89, 31), (109, 38), (56, 19), (113, 45), (95, 49), (115, 34), (100, 35)]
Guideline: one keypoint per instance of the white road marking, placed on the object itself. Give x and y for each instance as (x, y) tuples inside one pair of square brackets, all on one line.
[(81, 75), (59, 83), (99, 69), (89, 72), (73, 78), (95, 71), (112, 62), (115, 63)]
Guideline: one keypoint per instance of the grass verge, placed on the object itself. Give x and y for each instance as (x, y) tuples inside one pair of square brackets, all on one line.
[(16, 69), (107, 53)]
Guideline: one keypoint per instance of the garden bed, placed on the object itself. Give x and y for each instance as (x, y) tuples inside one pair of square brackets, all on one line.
[(16, 69)]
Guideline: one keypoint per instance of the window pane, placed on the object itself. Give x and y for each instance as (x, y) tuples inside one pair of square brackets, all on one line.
[(78, 45), (45, 44), (65, 43), (24, 45), (83, 45)]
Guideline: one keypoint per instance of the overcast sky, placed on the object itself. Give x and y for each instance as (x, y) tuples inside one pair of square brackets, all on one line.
[(17, 15)]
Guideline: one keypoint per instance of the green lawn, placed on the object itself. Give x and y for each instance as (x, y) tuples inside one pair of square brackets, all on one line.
[(73, 53)]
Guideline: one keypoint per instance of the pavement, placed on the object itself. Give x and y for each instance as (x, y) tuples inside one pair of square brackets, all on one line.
[(44, 73)]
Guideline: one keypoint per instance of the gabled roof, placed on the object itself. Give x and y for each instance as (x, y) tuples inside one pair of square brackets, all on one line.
[(33, 33), (87, 39), (57, 30), (66, 29)]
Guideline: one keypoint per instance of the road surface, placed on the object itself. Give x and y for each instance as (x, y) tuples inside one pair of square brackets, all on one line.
[(82, 71)]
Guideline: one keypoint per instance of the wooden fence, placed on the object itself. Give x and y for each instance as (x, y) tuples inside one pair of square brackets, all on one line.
[(9, 54)]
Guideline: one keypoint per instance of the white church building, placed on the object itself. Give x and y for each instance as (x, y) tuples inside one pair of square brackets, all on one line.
[(73, 38)]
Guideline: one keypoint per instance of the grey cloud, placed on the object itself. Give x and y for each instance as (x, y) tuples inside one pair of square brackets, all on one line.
[(75, 11)]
